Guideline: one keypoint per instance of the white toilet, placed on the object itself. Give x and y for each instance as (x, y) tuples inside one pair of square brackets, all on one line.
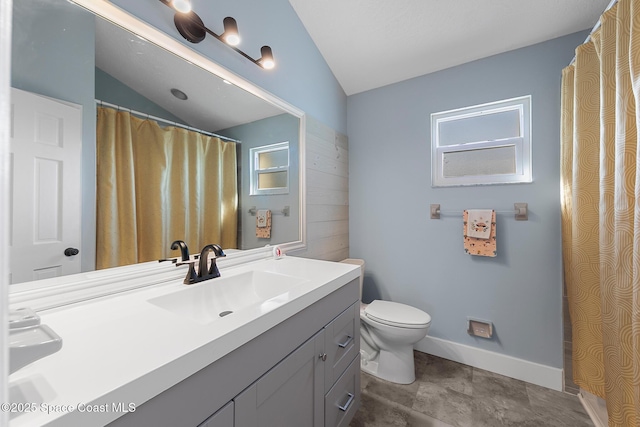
[(388, 331)]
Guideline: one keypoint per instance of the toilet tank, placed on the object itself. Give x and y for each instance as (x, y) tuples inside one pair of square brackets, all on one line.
[(360, 262)]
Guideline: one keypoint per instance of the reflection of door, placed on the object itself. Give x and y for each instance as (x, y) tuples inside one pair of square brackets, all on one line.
[(45, 185)]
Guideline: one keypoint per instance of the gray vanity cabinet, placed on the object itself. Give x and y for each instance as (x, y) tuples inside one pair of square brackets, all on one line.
[(290, 394), (305, 371), (315, 386), (222, 418)]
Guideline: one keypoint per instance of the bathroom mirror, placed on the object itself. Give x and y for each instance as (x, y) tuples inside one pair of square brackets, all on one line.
[(63, 51)]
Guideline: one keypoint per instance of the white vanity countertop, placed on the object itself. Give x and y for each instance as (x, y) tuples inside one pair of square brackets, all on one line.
[(123, 350)]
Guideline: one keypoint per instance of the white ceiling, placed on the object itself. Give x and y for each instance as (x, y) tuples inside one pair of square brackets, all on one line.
[(369, 44)]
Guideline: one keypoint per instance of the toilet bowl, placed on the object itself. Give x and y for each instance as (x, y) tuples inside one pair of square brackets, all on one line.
[(388, 331)]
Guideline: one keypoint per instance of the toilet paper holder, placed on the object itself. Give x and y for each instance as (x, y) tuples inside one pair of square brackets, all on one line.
[(479, 328)]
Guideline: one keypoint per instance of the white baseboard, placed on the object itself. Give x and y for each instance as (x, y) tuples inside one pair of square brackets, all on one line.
[(531, 372)]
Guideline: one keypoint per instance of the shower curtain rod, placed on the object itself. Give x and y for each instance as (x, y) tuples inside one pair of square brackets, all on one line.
[(159, 119), (595, 27)]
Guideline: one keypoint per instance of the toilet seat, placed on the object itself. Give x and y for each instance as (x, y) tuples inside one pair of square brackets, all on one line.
[(397, 315)]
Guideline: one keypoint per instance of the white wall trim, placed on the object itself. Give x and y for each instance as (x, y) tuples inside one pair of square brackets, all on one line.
[(6, 10), (524, 370)]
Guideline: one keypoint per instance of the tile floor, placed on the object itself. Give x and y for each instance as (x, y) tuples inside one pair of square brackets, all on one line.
[(447, 394)]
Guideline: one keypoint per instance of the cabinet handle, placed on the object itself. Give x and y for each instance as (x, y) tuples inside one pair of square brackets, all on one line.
[(323, 356), (346, 342), (347, 403)]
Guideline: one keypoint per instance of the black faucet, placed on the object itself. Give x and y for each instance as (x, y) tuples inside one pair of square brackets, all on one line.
[(212, 271), (184, 250), (203, 273)]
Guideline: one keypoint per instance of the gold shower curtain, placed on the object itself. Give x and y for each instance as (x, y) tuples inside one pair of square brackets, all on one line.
[(601, 211), (156, 185)]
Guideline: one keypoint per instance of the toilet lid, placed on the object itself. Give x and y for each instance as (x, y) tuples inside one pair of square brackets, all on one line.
[(396, 314)]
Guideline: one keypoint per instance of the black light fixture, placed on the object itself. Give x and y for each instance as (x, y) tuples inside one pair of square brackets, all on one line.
[(191, 27)]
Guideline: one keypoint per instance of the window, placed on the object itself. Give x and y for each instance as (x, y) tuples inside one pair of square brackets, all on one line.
[(269, 169), (483, 144)]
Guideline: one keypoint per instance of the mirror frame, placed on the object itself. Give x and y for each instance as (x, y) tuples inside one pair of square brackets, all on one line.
[(50, 293), (6, 12)]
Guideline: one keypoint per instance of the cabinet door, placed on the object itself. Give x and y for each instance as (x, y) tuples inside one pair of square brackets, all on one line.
[(222, 418), (290, 394)]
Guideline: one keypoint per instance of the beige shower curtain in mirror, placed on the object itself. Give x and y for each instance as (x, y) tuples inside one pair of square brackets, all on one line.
[(601, 211), (156, 185)]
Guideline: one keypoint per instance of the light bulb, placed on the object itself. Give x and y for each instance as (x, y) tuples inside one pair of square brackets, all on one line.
[(182, 6), (266, 61), (232, 39), (230, 35)]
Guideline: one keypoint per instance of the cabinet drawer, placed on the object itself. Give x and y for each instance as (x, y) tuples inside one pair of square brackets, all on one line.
[(343, 400), (342, 343)]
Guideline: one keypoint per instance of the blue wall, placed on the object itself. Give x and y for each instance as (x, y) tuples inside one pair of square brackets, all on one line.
[(413, 259), (301, 76)]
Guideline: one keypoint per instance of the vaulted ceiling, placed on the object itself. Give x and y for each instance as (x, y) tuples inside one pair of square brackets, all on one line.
[(369, 44)]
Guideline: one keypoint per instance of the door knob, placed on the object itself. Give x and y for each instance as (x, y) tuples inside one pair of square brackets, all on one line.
[(323, 356), (71, 252)]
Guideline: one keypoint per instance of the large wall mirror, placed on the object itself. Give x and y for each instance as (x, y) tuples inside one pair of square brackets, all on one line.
[(68, 57)]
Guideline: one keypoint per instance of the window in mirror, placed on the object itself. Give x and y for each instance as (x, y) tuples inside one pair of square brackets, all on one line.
[(269, 169)]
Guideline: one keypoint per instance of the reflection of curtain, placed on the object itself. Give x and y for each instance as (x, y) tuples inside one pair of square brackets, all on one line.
[(158, 185), (601, 211)]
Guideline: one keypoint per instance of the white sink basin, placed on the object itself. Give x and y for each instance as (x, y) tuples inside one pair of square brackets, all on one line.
[(213, 299)]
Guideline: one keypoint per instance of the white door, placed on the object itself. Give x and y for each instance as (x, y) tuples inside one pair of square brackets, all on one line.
[(45, 162)]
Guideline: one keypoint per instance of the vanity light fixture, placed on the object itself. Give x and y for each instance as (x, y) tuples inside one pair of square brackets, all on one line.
[(191, 27)]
